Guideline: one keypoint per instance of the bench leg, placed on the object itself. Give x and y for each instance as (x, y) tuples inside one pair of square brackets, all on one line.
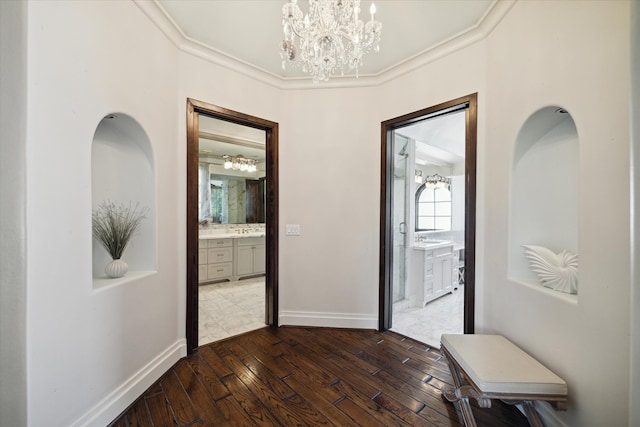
[(455, 373), (532, 414), (467, 416), (529, 411), (460, 395), (461, 402)]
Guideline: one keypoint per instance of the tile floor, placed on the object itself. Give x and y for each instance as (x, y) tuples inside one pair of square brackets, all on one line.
[(230, 308), (441, 316)]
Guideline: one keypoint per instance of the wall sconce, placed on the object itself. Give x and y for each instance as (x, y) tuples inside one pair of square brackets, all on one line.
[(437, 181)]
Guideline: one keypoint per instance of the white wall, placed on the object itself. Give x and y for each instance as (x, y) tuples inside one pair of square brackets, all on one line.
[(575, 55), (87, 59), (634, 395), (457, 206), (329, 185), (92, 352), (13, 290)]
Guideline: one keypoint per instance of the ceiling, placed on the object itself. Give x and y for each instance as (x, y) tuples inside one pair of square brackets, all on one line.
[(250, 31), (219, 138), (439, 140)]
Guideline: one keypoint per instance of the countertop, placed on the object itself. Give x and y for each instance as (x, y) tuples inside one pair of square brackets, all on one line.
[(433, 244), (210, 236)]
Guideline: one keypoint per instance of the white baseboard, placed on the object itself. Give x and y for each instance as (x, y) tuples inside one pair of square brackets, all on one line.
[(119, 399), (329, 320)]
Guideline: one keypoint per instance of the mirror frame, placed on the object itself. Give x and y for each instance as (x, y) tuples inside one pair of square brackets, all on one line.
[(194, 109)]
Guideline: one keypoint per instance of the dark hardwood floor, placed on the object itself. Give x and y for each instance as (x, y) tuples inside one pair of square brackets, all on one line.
[(295, 376)]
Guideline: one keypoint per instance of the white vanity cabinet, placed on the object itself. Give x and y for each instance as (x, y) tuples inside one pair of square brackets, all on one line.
[(230, 258), (202, 260), (250, 256), (440, 272), (215, 259)]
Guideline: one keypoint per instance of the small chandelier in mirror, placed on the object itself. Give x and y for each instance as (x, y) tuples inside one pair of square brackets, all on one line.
[(328, 38), (240, 163)]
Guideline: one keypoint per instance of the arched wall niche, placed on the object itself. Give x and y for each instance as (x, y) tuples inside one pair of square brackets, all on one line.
[(544, 189), (123, 171)]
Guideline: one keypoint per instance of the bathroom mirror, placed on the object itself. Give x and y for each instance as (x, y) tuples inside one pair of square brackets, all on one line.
[(433, 208), (230, 190)]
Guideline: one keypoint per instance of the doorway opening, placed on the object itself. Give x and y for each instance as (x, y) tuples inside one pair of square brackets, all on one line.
[(428, 191), (232, 220)]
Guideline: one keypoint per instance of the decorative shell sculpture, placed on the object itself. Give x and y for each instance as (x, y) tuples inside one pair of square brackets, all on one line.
[(556, 271)]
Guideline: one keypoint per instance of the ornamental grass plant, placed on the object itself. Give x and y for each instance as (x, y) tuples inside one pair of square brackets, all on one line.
[(114, 223)]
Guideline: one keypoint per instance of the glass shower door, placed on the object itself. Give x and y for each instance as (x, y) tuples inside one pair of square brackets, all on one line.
[(400, 164)]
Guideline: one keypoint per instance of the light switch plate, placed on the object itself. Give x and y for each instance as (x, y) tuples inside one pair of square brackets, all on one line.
[(292, 229)]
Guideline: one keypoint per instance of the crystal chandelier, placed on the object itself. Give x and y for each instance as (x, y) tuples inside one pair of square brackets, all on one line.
[(240, 163), (328, 38)]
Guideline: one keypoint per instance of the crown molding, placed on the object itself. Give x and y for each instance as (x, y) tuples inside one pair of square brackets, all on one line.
[(485, 25)]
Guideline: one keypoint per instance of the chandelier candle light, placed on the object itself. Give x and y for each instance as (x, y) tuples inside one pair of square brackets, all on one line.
[(329, 37)]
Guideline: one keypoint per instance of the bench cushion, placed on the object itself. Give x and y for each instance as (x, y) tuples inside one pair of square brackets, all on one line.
[(496, 365)]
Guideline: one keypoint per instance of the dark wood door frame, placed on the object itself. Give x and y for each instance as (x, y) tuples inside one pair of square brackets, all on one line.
[(194, 109), (470, 103)]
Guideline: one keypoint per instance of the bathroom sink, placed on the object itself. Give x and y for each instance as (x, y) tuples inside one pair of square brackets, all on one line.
[(430, 243)]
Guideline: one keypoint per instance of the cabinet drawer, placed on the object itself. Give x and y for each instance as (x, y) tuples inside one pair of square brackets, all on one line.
[(249, 241), (219, 271), (220, 243), (202, 256), (219, 255)]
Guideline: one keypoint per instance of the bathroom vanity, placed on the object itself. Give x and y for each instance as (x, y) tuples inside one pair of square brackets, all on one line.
[(435, 267), (230, 256)]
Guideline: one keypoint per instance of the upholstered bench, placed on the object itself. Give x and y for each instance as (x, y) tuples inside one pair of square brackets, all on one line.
[(486, 367)]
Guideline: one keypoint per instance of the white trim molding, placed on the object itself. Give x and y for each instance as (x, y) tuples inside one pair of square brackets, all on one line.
[(157, 15), (105, 411), (328, 320)]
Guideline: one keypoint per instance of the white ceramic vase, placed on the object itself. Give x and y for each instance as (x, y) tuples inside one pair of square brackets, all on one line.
[(116, 268)]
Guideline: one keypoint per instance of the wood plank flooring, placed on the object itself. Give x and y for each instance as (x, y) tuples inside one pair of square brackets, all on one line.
[(296, 376)]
